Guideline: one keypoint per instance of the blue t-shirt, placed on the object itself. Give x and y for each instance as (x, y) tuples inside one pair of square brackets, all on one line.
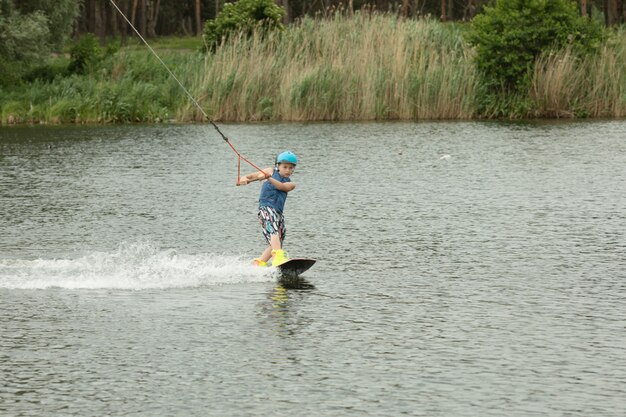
[(271, 196)]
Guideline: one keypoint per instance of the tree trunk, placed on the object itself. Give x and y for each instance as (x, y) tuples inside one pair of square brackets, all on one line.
[(125, 8), (133, 15), (285, 4), (152, 14), (611, 16), (113, 22), (443, 10), (90, 9), (198, 18), (145, 16), (583, 8), (470, 10), (421, 8), (186, 25), (288, 11), (405, 8), (99, 28)]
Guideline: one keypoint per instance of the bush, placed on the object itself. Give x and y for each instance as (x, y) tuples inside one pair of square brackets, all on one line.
[(242, 16), (512, 34), (85, 55), (48, 72)]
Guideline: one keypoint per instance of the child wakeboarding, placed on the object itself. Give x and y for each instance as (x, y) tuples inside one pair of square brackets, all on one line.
[(271, 205)]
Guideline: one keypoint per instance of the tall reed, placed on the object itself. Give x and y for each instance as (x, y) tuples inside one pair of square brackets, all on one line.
[(566, 85), (369, 66)]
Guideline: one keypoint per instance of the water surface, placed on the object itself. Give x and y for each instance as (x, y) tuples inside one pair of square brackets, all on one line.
[(465, 269)]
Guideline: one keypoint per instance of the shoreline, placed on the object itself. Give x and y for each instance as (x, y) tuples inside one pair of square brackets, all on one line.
[(309, 122)]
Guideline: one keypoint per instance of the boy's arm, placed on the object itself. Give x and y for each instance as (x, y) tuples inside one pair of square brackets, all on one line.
[(282, 186), (256, 176)]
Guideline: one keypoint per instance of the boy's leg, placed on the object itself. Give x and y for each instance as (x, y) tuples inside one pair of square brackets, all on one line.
[(278, 255), (267, 254), (265, 216), (273, 225), (275, 243)]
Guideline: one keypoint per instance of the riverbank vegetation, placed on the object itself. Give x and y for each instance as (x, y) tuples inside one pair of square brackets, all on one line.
[(366, 67), (350, 66)]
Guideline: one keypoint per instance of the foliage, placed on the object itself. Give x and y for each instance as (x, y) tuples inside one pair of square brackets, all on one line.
[(360, 67), (127, 87), (243, 16), (47, 72), (512, 34), (29, 29), (23, 42), (168, 42), (60, 15), (86, 54)]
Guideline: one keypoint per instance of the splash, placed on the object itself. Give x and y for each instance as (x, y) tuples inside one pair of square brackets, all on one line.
[(133, 266)]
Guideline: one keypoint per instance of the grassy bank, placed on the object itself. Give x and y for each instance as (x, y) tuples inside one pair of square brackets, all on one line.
[(128, 88), (366, 67)]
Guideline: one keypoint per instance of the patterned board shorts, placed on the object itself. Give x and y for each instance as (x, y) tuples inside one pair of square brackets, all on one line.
[(272, 222)]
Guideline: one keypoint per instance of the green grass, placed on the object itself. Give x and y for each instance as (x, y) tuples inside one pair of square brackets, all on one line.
[(194, 43), (129, 87)]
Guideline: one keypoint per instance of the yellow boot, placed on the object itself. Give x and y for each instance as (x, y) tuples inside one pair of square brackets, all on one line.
[(278, 257), (259, 262)]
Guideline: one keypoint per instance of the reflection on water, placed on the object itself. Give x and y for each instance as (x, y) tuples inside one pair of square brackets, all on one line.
[(282, 310), (280, 297), (295, 283), (465, 269)]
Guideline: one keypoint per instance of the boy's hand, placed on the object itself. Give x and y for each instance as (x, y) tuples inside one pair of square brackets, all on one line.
[(243, 180)]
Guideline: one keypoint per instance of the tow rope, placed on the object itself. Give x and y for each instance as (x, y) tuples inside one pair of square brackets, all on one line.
[(193, 100)]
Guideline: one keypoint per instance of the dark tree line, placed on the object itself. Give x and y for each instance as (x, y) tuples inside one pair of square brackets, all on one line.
[(186, 17), (151, 17)]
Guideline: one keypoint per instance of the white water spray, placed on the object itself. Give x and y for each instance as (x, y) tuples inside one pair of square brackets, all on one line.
[(133, 266)]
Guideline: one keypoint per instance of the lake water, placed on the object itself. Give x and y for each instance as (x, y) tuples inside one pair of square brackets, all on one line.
[(464, 269)]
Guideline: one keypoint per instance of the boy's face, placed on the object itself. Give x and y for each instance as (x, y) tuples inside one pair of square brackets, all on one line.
[(285, 169)]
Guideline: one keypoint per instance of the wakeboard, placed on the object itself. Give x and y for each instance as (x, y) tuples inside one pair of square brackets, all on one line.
[(295, 266)]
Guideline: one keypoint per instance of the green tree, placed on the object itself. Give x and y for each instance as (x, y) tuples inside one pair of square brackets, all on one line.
[(29, 31), (510, 35), (23, 42), (242, 16), (60, 15)]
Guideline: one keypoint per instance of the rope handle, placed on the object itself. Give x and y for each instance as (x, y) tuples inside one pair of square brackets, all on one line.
[(239, 158)]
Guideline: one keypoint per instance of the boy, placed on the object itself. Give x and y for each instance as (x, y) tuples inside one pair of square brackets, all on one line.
[(271, 204)]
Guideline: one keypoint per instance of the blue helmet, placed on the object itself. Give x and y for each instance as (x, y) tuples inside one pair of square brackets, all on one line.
[(287, 156)]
